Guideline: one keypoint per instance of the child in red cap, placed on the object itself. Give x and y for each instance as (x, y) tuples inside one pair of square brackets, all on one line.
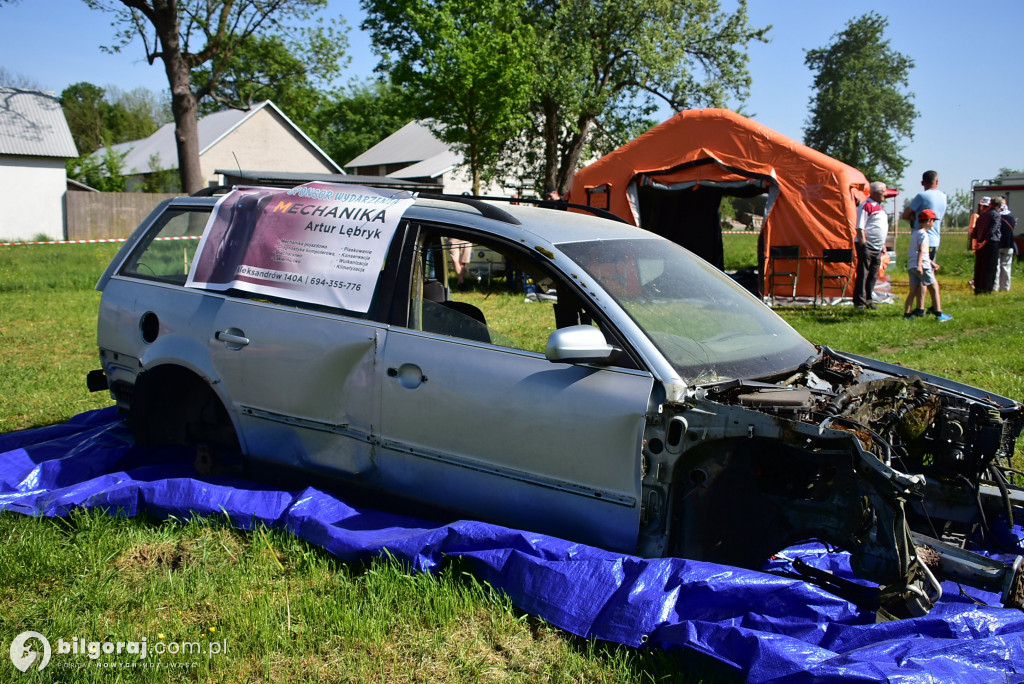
[(921, 270)]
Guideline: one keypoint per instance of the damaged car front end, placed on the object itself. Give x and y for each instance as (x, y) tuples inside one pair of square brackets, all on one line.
[(753, 453), (897, 471)]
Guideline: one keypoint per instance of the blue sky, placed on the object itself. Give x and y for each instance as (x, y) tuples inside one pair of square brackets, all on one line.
[(968, 93)]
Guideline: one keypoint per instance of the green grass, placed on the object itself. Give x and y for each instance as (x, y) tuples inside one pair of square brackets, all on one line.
[(520, 324), (287, 610), (279, 609), (48, 311)]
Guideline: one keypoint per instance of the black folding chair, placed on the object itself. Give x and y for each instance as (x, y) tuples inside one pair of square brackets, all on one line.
[(783, 268), (837, 280)]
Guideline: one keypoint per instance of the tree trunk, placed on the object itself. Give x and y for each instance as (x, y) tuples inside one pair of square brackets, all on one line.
[(560, 168), (474, 165), (571, 157), (186, 129), (183, 101), (550, 142)]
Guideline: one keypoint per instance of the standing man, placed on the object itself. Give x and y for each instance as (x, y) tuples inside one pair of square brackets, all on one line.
[(1007, 248), (872, 230), (987, 232), (929, 198), (934, 199), (462, 254)]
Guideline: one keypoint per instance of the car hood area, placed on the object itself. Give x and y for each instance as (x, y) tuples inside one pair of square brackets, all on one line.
[(906, 471)]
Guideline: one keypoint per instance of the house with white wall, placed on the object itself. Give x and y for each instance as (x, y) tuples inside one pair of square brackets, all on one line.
[(35, 144)]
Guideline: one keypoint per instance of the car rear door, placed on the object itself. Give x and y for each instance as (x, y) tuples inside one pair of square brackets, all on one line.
[(301, 382)]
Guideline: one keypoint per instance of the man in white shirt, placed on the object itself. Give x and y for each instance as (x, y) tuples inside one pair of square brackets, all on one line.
[(872, 231)]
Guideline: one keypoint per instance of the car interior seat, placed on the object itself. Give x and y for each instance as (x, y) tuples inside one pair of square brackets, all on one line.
[(455, 319)]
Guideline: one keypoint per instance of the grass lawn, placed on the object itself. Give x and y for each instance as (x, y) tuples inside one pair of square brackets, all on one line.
[(287, 611)]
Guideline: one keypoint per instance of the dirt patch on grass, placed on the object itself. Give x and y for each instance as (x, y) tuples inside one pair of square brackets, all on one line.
[(147, 556), (218, 545), (919, 342)]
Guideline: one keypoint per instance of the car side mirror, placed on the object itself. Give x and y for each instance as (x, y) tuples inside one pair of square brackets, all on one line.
[(578, 343)]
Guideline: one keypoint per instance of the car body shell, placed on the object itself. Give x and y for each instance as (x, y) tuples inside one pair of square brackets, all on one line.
[(599, 438)]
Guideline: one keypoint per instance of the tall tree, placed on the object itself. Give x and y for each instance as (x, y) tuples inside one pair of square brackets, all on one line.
[(359, 117), (98, 116), (612, 62), (468, 65), (862, 112), (552, 76), (188, 34), (85, 111)]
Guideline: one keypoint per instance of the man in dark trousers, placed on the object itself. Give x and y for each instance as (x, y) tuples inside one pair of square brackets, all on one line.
[(872, 230), (987, 232)]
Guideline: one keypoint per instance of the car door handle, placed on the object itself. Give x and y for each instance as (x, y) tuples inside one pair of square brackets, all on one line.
[(409, 375), (232, 336)]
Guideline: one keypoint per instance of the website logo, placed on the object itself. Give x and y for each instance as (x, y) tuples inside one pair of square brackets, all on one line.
[(24, 656)]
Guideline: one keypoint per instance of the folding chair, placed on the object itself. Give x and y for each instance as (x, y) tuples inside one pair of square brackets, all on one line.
[(839, 280), (788, 273)]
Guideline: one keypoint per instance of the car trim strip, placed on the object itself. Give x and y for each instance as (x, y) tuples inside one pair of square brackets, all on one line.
[(337, 428), (512, 474)]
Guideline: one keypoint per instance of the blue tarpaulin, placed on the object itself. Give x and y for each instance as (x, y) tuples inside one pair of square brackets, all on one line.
[(768, 626)]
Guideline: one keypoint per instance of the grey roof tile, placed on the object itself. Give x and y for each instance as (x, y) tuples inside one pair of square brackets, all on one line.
[(431, 167), (413, 142), (212, 128), (32, 124)]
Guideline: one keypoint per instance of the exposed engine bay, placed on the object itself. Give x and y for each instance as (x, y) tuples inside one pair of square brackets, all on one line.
[(901, 469)]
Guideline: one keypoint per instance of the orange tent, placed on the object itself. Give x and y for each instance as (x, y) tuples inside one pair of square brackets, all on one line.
[(671, 180)]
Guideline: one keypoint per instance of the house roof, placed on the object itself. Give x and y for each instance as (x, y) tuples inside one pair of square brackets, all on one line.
[(414, 142), (79, 186), (212, 129), (32, 124), (430, 168)]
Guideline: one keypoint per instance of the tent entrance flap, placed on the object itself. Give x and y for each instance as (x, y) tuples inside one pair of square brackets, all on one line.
[(689, 213)]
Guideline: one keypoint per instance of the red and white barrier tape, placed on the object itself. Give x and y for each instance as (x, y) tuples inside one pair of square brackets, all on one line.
[(81, 242)]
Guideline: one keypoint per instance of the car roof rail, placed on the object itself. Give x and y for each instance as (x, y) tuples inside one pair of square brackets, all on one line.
[(481, 203), (486, 210), (562, 205), (212, 190)]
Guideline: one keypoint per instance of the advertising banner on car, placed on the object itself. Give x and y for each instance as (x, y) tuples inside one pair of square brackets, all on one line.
[(321, 243)]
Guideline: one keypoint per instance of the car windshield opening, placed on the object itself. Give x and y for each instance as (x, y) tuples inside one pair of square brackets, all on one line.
[(706, 326)]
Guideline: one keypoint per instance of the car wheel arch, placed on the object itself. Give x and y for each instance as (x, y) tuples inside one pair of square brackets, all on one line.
[(173, 404)]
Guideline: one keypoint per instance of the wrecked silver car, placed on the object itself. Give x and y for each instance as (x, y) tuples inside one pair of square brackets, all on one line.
[(660, 409)]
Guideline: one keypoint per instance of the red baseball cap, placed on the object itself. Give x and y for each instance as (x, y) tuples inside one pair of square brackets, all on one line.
[(925, 215)]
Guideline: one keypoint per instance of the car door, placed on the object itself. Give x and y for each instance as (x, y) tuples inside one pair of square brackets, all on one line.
[(496, 431), (301, 382)]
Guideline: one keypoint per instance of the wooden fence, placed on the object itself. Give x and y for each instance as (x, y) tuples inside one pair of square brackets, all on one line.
[(99, 215)]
